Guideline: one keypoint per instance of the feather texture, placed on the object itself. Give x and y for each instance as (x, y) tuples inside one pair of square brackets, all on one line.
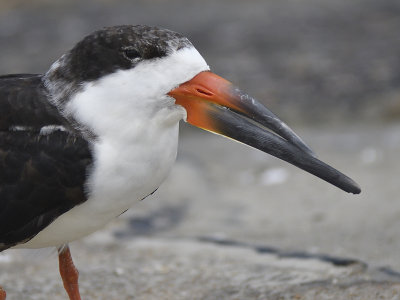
[(41, 176)]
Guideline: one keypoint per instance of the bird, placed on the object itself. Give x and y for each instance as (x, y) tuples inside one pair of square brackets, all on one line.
[(81, 143)]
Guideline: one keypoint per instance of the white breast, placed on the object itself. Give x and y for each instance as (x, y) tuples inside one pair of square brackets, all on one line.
[(137, 129), (124, 174)]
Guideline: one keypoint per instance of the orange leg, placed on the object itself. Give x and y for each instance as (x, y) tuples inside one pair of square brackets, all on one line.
[(69, 273), (2, 294)]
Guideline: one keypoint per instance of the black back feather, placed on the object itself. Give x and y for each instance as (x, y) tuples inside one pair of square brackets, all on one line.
[(41, 176)]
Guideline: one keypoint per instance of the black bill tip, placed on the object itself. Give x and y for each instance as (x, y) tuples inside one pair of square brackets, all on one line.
[(241, 129)]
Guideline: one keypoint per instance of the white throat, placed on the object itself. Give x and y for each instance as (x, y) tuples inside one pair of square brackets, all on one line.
[(118, 100)]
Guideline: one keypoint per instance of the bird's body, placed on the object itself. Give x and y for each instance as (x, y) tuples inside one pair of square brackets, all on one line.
[(121, 156), (99, 131), (132, 156)]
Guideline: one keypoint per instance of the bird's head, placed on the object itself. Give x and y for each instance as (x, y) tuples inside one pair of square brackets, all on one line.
[(140, 72)]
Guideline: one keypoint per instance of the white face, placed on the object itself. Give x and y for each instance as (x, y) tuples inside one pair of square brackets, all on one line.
[(136, 95)]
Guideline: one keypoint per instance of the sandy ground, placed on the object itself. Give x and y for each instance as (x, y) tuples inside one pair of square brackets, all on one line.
[(233, 223)]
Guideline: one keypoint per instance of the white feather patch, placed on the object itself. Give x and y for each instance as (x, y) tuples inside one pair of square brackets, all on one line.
[(20, 128), (46, 130)]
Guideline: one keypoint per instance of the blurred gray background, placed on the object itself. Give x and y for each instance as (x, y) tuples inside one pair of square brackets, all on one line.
[(331, 70)]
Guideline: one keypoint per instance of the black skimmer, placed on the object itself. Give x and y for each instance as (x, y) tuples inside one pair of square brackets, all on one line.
[(99, 131)]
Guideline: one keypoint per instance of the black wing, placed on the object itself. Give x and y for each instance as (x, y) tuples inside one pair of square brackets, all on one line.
[(23, 103), (41, 175)]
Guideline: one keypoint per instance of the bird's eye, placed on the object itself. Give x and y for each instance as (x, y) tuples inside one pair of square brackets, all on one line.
[(131, 54)]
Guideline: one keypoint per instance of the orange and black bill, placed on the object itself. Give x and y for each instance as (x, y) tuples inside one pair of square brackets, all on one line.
[(214, 104)]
